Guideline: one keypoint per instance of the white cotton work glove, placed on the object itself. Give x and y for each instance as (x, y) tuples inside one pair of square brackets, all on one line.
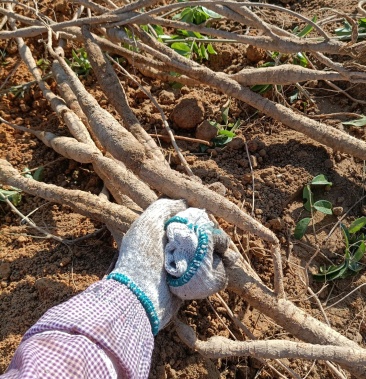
[(193, 255), (140, 264)]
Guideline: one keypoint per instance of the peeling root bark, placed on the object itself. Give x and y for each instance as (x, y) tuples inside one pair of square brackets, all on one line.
[(221, 347)]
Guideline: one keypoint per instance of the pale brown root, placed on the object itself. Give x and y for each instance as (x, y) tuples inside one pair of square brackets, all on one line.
[(117, 217), (290, 74), (221, 347), (294, 320), (111, 86), (115, 173)]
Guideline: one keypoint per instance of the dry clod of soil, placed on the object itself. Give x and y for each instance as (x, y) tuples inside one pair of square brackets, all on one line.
[(255, 54), (188, 113), (5, 270), (206, 131)]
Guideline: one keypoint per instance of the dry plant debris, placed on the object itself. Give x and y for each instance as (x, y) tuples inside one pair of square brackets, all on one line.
[(133, 167)]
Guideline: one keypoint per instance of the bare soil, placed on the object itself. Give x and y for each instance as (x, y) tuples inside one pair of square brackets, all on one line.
[(38, 273)]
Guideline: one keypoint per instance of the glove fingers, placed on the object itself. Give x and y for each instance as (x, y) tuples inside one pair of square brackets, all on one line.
[(221, 241), (210, 278)]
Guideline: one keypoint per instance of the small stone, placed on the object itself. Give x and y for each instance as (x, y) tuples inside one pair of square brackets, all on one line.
[(247, 178), (206, 131), (254, 161), (140, 94), (262, 152), (275, 224), (252, 146), (188, 113), (338, 157), (236, 143), (255, 54), (212, 152), (5, 270), (258, 211), (65, 261), (22, 239), (3, 284), (338, 211), (166, 97), (328, 163)]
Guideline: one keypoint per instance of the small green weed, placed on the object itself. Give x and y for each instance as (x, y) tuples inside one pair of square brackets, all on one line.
[(196, 15), (80, 62), (277, 59), (322, 206), (354, 237), (225, 129), (345, 31), (14, 194)]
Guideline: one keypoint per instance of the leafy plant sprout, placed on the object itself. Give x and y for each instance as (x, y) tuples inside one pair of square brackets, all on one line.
[(323, 206)]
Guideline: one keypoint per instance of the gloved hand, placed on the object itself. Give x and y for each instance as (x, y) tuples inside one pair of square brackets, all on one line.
[(193, 255), (140, 264)]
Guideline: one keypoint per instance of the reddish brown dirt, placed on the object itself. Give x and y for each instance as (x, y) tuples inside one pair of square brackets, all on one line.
[(38, 273)]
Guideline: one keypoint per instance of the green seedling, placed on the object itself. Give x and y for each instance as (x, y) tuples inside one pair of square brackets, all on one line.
[(345, 32), (187, 43), (354, 237), (80, 62), (322, 206), (297, 59), (43, 64), (184, 42), (225, 128), (196, 15), (14, 194)]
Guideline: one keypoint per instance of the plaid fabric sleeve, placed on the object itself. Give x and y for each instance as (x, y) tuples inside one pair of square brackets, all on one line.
[(104, 319)]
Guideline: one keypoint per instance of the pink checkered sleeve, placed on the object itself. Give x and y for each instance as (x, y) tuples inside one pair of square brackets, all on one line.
[(74, 339)]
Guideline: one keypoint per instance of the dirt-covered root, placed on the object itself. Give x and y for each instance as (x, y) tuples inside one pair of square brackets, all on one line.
[(117, 217)]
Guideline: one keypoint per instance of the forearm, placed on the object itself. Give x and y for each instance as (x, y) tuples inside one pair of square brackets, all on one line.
[(106, 318)]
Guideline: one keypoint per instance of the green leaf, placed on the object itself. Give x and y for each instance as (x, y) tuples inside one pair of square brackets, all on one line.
[(346, 235), (358, 122), (181, 48), (308, 28), (355, 267), (204, 53), (360, 252), (27, 173), (38, 174), (357, 225), (227, 133), (307, 195), (332, 273), (292, 98), (211, 13), (211, 50), (301, 60), (261, 88), (320, 180), (301, 227), (221, 140), (323, 206), (14, 196)]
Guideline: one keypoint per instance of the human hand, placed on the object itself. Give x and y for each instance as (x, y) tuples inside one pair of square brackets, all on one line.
[(140, 264), (194, 255)]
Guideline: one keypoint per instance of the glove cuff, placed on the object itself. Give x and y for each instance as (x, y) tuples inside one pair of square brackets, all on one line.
[(202, 232), (141, 296)]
